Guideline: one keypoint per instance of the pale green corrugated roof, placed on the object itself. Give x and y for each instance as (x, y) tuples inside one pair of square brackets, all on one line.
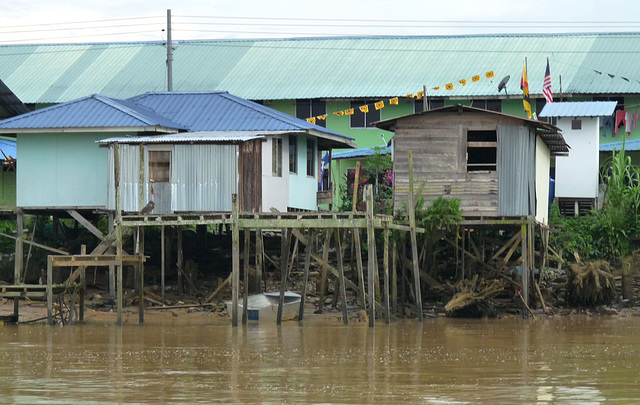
[(354, 67)]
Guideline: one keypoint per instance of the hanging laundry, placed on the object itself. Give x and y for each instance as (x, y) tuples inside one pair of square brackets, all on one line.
[(607, 123), (635, 120), (628, 121), (619, 119)]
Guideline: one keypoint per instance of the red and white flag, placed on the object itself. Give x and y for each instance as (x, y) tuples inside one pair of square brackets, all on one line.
[(546, 85)]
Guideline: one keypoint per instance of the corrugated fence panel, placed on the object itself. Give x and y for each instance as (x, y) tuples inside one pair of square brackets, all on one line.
[(129, 177), (205, 177), (516, 171)]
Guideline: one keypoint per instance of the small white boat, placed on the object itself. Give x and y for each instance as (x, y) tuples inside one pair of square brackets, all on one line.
[(264, 307)]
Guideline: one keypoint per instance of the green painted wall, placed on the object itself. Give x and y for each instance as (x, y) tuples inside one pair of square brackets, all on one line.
[(8, 188), (62, 170)]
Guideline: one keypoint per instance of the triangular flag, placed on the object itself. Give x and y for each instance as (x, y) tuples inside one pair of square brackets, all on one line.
[(435, 88), (338, 113), (489, 74), (475, 78), (420, 95), (463, 82), (448, 86), (322, 117), (410, 95)]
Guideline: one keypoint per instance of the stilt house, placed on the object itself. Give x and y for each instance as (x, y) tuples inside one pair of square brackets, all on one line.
[(496, 164), (186, 152)]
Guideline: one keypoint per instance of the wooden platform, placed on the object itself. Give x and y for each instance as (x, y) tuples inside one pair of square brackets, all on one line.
[(28, 290)]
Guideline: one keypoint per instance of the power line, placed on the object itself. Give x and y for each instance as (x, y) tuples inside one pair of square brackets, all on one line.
[(75, 28), (78, 22), (67, 37)]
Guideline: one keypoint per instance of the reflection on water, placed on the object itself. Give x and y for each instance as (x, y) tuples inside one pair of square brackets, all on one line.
[(443, 361)]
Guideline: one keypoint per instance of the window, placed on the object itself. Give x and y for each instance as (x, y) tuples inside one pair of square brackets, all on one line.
[(576, 124), (491, 105), (433, 104), (159, 166), (307, 108), (311, 160), (481, 150), (364, 120), (293, 154), (276, 157)]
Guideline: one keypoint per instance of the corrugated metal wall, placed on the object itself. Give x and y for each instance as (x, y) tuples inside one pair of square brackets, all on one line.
[(516, 171), (129, 178), (204, 177)]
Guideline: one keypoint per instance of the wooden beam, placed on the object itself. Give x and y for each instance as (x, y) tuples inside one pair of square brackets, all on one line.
[(341, 279), (235, 254), (54, 250), (414, 246), (305, 280), (86, 223), (372, 259)]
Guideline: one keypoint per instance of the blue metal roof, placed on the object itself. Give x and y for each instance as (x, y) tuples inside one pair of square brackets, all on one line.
[(579, 109), (630, 145), (360, 152), (94, 111)]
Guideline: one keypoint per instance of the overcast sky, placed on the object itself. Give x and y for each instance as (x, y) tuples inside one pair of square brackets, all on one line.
[(81, 21)]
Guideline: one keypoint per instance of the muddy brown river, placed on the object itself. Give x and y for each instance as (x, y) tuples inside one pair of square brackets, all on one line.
[(570, 360)]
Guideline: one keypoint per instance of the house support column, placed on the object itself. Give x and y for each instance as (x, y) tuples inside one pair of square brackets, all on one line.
[(18, 258)]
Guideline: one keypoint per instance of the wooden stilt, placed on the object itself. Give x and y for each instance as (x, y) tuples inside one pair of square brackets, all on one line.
[(180, 261), (118, 225), (83, 287), (245, 289), (305, 280), (394, 279), (18, 258), (341, 279), (525, 269), (235, 271), (385, 264), (50, 290), (371, 260), (112, 268), (259, 261), (325, 271), (359, 266), (163, 257), (414, 246), (140, 268), (464, 249), (284, 259)]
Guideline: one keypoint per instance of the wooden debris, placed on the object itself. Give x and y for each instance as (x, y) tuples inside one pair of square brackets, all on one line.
[(591, 284), (472, 298)]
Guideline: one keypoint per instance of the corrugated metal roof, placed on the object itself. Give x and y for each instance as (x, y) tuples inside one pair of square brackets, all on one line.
[(579, 109), (200, 137), (10, 105), (352, 67), (630, 145), (94, 111), (360, 152)]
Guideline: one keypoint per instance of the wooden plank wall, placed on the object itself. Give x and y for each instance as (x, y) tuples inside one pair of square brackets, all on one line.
[(250, 169), (438, 142)]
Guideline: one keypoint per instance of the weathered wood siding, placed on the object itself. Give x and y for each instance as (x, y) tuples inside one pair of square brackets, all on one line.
[(250, 169), (438, 142)]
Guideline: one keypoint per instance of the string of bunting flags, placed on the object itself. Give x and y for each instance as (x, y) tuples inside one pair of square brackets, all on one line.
[(378, 105)]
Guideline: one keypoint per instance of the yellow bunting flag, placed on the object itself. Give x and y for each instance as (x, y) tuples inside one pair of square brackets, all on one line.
[(489, 74), (410, 95), (339, 113), (463, 82), (349, 111), (420, 95), (364, 108), (475, 78), (448, 86), (393, 101), (312, 120), (322, 117), (435, 88), (379, 105)]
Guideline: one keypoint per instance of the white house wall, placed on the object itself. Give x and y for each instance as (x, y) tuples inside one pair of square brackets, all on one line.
[(303, 189), (577, 174), (275, 190), (543, 159)]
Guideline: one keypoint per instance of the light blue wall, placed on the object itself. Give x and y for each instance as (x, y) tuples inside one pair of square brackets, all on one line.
[(62, 170), (303, 189)]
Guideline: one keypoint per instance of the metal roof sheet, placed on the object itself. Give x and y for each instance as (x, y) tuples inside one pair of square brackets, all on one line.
[(360, 152), (10, 105), (93, 112), (194, 137), (349, 67), (630, 145), (579, 109)]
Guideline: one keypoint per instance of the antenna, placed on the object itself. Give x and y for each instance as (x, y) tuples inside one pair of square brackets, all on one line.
[(503, 85)]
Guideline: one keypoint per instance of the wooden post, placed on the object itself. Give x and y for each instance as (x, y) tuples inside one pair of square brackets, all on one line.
[(118, 225), (325, 272), (235, 253), (305, 280), (259, 261), (83, 286), (141, 276), (18, 258), (464, 249), (371, 244), (394, 278), (525, 269), (414, 243), (343, 292), (385, 264), (245, 289), (162, 264), (50, 290), (180, 260), (112, 268), (356, 238), (284, 259)]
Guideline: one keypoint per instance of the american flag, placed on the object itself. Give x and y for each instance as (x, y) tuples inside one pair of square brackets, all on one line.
[(546, 85)]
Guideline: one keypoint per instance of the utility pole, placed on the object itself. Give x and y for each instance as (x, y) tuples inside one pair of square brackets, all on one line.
[(169, 53)]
